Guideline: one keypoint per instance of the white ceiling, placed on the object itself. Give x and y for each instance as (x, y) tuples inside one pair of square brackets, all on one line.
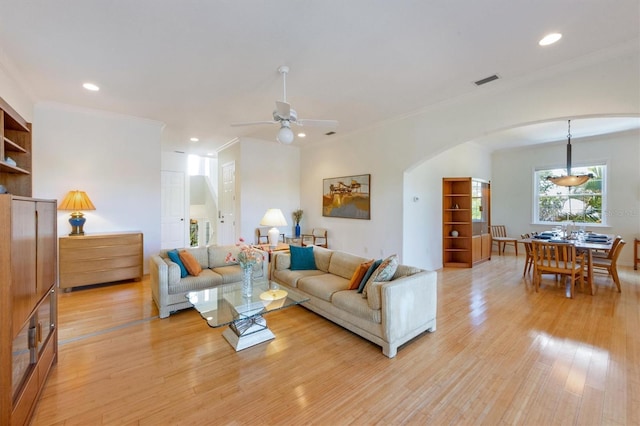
[(200, 65)]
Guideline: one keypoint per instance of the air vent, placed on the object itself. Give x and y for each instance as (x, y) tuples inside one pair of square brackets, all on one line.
[(487, 80), (179, 152), (330, 133)]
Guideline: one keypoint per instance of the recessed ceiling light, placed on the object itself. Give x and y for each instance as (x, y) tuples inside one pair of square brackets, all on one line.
[(302, 135), (210, 154), (550, 39), (194, 139), (91, 86)]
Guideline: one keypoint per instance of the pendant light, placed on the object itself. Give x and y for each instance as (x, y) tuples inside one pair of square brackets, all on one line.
[(570, 180)]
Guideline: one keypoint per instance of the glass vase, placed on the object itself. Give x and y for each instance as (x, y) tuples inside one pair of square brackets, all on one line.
[(247, 281)]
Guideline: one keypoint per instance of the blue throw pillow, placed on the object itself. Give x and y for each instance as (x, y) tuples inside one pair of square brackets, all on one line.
[(302, 258), (175, 258), (366, 277)]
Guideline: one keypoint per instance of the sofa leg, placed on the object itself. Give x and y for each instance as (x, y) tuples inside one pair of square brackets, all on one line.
[(389, 350)]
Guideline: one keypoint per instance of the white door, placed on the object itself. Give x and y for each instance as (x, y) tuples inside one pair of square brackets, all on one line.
[(226, 228), (172, 233)]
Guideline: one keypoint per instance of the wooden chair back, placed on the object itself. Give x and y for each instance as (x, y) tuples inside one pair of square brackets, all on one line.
[(498, 231), (559, 259), (611, 264), (318, 237)]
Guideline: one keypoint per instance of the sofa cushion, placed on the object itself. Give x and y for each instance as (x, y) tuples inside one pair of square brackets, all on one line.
[(217, 255), (229, 273), (352, 302), (344, 264), (374, 294), (173, 270), (290, 278), (190, 262), (358, 274), (383, 273), (370, 272), (174, 256), (206, 279), (322, 286), (302, 258), (323, 257)]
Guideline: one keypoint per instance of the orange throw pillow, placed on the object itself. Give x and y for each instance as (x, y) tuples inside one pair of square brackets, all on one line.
[(190, 262), (358, 275)]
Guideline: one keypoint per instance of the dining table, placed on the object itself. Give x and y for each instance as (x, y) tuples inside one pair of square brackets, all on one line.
[(587, 245)]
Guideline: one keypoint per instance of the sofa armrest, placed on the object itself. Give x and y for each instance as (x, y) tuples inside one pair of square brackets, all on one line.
[(408, 303), (159, 275), (160, 271), (264, 265), (280, 260)]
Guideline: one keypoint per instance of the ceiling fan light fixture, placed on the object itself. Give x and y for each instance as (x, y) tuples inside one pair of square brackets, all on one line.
[(569, 180), (285, 135)]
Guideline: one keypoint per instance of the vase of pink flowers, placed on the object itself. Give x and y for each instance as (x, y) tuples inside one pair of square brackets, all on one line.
[(247, 257)]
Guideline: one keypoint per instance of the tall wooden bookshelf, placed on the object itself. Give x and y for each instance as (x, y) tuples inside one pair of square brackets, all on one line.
[(15, 133), (466, 220)]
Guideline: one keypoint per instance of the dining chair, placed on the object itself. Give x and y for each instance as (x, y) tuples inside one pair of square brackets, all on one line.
[(558, 259), (528, 262), (610, 264), (609, 253), (499, 237)]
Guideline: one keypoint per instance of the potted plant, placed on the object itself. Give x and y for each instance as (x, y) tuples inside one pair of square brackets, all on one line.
[(297, 217)]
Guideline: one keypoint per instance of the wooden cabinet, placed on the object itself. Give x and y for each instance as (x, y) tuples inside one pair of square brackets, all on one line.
[(15, 133), (100, 258), (466, 217), (480, 248), (28, 299)]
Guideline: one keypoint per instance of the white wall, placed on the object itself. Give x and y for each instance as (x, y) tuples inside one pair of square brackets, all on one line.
[(13, 92), (512, 185), (425, 214), (114, 158), (597, 85), (270, 179), (267, 176)]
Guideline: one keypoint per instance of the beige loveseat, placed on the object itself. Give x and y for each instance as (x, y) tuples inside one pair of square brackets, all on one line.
[(169, 290), (392, 312)]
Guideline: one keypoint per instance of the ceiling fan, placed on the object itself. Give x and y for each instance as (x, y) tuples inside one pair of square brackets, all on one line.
[(284, 115)]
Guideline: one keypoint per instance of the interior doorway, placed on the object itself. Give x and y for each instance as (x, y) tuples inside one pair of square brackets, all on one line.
[(227, 216)]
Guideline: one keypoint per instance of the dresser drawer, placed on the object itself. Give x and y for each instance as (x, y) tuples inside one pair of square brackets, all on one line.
[(100, 258)]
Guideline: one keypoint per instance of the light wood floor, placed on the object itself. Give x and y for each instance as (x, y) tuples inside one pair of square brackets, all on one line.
[(502, 354)]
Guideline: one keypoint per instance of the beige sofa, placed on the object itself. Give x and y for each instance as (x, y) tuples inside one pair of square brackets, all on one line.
[(392, 312), (169, 290)]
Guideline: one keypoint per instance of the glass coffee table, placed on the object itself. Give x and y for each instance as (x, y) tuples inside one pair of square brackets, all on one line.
[(225, 305)]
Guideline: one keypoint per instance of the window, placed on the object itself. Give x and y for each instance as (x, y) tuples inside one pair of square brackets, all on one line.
[(477, 211), (580, 204)]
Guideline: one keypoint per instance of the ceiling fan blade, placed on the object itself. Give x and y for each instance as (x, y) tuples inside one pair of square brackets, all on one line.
[(283, 109), (253, 123), (317, 123)]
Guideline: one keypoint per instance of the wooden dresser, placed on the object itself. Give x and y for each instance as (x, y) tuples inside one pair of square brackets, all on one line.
[(100, 258)]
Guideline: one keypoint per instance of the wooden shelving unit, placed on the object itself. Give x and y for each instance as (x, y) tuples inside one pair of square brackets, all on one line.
[(15, 133), (472, 244)]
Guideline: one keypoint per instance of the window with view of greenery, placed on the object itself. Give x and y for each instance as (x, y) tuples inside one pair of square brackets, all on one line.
[(580, 204), (477, 213)]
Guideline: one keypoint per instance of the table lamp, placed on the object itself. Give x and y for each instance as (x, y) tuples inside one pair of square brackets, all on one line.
[(76, 201), (274, 218)]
